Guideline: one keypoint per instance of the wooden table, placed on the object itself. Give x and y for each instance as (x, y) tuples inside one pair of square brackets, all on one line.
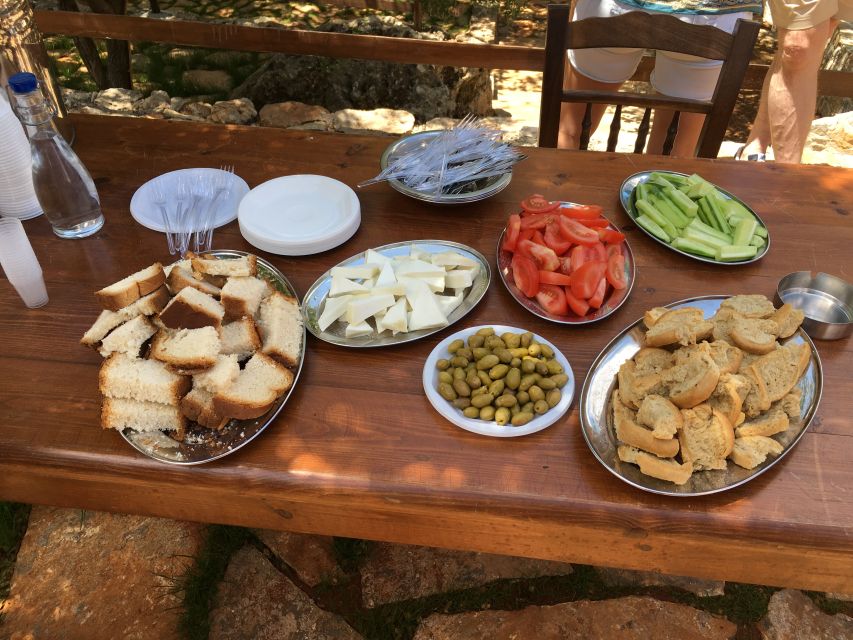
[(358, 451)]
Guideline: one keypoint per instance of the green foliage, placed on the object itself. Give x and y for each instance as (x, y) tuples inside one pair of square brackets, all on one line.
[(13, 525)]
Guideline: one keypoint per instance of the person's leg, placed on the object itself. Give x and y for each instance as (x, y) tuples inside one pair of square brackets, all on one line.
[(571, 113), (689, 130)]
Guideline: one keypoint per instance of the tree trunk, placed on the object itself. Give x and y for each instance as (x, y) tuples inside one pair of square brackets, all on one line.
[(118, 51), (88, 51)]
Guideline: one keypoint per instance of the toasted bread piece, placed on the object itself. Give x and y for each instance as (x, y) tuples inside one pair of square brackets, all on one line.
[(679, 326), (650, 465), (239, 337), (629, 432), (652, 360), (791, 403), (723, 321), (767, 424), (750, 306), (255, 390), (219, 376), (780, 369), (131, 288), (122, 413), (186, 349), (192, 309), (694, 381), (180, 277), (755, 335), (185, 264), (757, 399), (108, 320), (128, 338), (635, 386), (729, 395), (788, 319), (706, 438), (651, 316), (144, 380), (750, 451), (660, 415), (241, 296), (280, 325), (197, 405), (726, 356), (243, 266)]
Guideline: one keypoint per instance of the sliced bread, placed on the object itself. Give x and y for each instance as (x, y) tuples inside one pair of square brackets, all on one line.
[(122, 413), (243, 266), (652, 360), (780, 369), (108, 320), (726, 356), (220, 375), (131, 288), (631, 433), (755, 335), (767, 424), (192, 309), (239, 337), (242, 295), (280, 324), (750, 451), (757, 399), (723, 321), (186, 348), (788, 319), (634, 386), (651, 316), (197, 405), (729, 395), (650, 465), (143, 380), (679, 326), (706, 438), (255, 390), (694, 381), (660, 415), (128, 338), (750, 305), (180, 277), (791, 403)]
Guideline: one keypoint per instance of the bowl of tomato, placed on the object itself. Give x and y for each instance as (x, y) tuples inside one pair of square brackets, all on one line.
[(565, 262)]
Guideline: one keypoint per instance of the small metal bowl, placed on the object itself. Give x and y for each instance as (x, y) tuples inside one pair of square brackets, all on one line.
[(826, 301)]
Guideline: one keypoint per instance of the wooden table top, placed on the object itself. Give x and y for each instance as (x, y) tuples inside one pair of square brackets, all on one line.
[(358, 451)]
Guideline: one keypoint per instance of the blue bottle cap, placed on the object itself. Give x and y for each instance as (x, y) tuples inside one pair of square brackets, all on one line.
[(23, 82)]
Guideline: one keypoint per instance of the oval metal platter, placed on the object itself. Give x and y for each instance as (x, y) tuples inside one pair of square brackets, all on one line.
[(596, 421), (205, 445), (626, 197), (616, 300), (335, 334)]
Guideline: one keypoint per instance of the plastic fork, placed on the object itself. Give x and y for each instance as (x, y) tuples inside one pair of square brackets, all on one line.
[(221, 186), (160, 200)]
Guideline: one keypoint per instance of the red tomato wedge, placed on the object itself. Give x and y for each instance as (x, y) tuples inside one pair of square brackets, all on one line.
[(552, 299), (554, 239), (585, 280), (578, 307), (616, 271), (596, 252), (565, 265), (595, 223), (577, 257), (538, 203), (575, 232), (614, 248), (611, 236), (537, 220), (552, 277), (578, 211), (525, 275), (513, 228), (597, 298), (545, 258), (538, 238)]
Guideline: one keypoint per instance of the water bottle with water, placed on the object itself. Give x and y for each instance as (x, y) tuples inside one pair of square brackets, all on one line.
[(64, 188)]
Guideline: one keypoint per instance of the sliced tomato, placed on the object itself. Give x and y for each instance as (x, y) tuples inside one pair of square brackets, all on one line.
[(585, 280), (594, 223), (578, 307), (614, 248), (577, 257), (616, 271), (525, 275), (611, 236), (513, 228), (538, 203), (579, 211), (596, 251), (537, 220), (576, 232), (554, 239), (552, 299), (545, 258), (552, 277), (565, 265), (597, 298), (538, 238)]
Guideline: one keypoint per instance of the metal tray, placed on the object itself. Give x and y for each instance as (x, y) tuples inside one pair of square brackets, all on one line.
[(407, 144), (312, 306), (626, 197), (615, 301), (205, 445), (596, 422)]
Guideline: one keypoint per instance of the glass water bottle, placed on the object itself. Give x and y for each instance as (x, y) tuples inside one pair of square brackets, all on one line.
[(64, 188)]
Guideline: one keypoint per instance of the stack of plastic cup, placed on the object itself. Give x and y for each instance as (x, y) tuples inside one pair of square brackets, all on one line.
[(20, 263), (17, 196)]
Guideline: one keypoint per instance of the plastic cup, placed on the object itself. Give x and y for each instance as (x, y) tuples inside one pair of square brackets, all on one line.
[(20, 263), (31, 288)]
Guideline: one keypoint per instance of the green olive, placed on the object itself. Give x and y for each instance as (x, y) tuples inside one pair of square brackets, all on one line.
[(487, 362), (554, 367), (479, 352), (521, 418), (502, 416), (515, 362), (454, 346), (553, 397), (459, 374), (494, 343), (486, 331), (514, 409), (473, 380), (479, 391), (506, 400), (547, 351), (487, 413), (540, 407), (547, 384), (461, 388), (462, 403), (541, 368), (513, 378), (465, 352), (497, 387), (442, 364), (528, 365), (482, 400), (560, 380), (519, 352), (498, 371), (526, 339), (446, 392), (511, 340), (443, 376), (504, 355), (536, 393), (459, 361), (534, 349), (484, 378), (523, 397), (471, 412), (527, 381), (476, 341), (527, 407), (471, 367)]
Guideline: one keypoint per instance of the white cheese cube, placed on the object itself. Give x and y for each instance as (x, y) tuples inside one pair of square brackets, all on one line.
[(374, 257), (332, 310), (418, 269), (419, 254), (386, 277), (452, 259), (395, 319), (358, 330), (342, 286), (413, 288), (362, 307), (359, 272), (459, 279), (426, 313), (449, 303)]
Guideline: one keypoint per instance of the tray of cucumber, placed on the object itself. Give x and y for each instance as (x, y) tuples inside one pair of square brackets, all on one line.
[(695, 218)]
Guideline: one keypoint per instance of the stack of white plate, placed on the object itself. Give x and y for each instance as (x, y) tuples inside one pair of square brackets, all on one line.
[(17, 196)]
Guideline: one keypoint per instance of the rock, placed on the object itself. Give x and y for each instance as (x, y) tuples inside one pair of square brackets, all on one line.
[(216, 81), (395, 572), (838, 56), (139, 62), (830, 141), (228, 58), (791, 615), (390, 121), (625, 577), (180, 54), (523, 137), (292, 114), (196, 109), (311, 557), (631, 618), (75, 99), (120, 100), (256, 601), (473, 94), (157, 101), (240, 111), (171, 114), (80, 573)]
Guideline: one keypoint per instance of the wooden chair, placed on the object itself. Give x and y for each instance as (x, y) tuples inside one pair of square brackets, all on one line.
[(642, 30)]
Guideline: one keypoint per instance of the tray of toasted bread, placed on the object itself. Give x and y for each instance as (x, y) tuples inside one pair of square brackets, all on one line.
[(200, 356), (702, 395)]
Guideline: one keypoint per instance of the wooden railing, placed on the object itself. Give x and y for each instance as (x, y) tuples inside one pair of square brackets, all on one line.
[(343, 45)]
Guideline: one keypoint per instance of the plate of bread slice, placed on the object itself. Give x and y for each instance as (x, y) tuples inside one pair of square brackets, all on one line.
[(199, 356), (702, 395)]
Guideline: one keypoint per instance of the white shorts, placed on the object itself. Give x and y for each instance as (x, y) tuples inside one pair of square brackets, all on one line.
[(675, 74)]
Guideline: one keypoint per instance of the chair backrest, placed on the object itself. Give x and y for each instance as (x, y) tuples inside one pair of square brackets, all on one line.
[(648, 31)]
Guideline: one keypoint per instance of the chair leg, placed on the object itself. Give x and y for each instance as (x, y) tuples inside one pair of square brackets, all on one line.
[(586, 125), (614, 129), (671, 132), (643, 131)]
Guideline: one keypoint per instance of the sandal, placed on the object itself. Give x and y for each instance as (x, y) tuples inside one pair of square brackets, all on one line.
[(753, 157)]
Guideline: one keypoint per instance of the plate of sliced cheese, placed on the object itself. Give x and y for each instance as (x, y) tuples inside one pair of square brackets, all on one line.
[(702, 395), (396, 293), (200, 355)]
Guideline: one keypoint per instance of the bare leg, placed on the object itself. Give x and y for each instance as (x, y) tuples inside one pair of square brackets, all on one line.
[(689, 129), (571, 113)]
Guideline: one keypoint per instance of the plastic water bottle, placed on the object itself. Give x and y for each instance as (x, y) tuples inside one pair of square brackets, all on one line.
[(17, 197), (65, 189)]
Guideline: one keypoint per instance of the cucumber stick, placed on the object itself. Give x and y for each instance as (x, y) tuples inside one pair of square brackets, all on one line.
[(694, 246), (653, 227), (757, 241), (673, 214), (744, 231), (649, 210), (680, 200), (701, 226), (732, 253), (692, 233), (720, 221)]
